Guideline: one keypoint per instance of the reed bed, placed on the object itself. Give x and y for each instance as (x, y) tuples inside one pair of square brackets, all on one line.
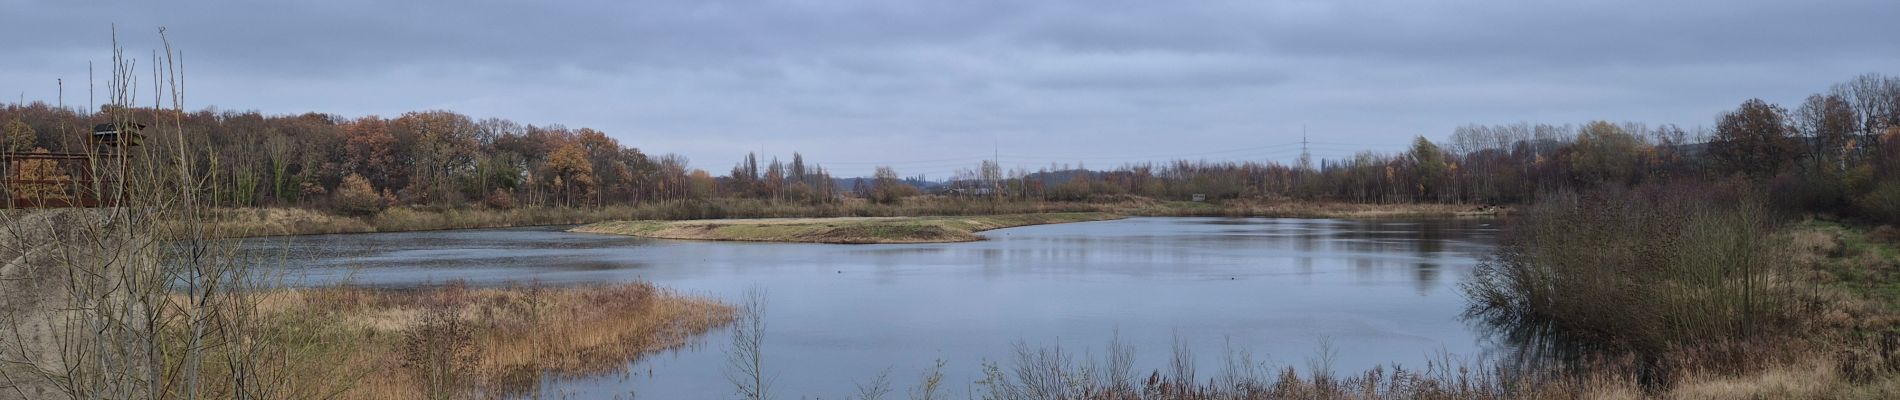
[(454, 341), (1058, 373)]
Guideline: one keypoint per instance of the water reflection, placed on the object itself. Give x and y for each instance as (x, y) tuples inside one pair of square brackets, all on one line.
[(1427, 277), (1524, 343), (1384, 291)]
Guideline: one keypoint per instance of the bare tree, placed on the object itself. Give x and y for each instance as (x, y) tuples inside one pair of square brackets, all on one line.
[(139, 300), (1829, 123), (930, 384), (745, 359), (1875, 97), (877, 388)]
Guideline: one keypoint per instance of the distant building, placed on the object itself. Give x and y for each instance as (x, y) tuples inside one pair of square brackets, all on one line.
[(976, 191), (112, 134)]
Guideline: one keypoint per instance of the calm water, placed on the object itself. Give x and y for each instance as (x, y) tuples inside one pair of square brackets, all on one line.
[(1382, 292)]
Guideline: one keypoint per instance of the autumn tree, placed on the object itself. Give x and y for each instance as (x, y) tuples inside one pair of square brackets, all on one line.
[(1429, 169), (441, 145), (1605, 153), (20, 137), (370, 151), (573, 174), (613, 165), (356, 196), (701, 184), (1754, 140)]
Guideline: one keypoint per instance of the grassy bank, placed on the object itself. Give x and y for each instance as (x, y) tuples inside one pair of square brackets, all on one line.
[(246, 222), (1309, 209), (1861, 259), (849, 230), (459, 342)]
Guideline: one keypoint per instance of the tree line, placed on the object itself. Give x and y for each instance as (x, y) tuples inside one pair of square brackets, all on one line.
[(427, 158), (1836, 151)]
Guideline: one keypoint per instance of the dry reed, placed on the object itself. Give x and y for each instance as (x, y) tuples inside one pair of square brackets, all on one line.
[(454, 341)]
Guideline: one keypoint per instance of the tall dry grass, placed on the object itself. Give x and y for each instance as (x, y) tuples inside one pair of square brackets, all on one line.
[(1055, 372), (455, 341)]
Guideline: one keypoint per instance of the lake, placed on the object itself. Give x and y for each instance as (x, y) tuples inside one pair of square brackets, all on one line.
[(1381, 292)]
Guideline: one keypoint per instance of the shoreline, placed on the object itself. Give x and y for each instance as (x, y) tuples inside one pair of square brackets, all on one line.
[(843, 230), (290, 221)]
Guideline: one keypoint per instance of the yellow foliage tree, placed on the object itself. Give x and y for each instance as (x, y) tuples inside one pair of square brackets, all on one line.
[(19, 137), (355, 195), (574, 175)]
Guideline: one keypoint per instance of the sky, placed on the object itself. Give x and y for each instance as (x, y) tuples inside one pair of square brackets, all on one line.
[(932, 86)]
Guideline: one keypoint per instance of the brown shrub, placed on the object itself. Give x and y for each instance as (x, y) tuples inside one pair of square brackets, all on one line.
[(1671, 273), (500, 199), (356, 196)]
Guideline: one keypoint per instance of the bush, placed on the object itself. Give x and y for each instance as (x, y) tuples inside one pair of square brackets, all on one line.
[(887, 188), (1809, 189), (893, 193), (500, 199), (1882, 204), (355, 196), (440, 354), (1649, 270)]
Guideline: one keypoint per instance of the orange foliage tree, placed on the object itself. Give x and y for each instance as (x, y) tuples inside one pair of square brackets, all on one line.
[(573, 174)]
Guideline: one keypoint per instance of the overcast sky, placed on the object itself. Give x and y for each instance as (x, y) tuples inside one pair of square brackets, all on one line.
[(932, 86)]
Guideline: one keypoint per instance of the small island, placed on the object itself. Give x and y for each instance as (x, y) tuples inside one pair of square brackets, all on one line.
[(843, 230)]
